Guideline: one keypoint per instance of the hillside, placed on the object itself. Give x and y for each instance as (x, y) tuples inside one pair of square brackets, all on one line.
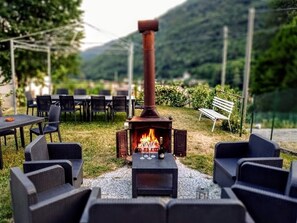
[(190, 38)]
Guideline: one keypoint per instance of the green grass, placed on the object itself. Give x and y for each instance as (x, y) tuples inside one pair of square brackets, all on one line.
[(98, 141)]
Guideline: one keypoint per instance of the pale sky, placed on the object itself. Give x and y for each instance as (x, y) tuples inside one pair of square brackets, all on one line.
[(118, 18)]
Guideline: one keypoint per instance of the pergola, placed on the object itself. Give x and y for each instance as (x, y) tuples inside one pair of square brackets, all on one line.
[(56, 39), (59, 40)]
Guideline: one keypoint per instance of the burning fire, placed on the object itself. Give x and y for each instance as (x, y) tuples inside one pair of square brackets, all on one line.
[(149, 141)]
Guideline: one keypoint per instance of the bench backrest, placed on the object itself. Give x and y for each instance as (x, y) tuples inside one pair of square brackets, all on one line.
[(223, 104)]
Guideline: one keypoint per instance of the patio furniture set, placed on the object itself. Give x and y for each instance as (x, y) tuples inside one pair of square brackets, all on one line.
[(49, 189), (87, 105)]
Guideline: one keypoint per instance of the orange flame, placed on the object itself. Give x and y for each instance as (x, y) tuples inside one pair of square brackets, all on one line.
[(149, 140)]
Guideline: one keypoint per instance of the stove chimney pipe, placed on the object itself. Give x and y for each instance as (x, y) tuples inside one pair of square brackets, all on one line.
[(147, 28)]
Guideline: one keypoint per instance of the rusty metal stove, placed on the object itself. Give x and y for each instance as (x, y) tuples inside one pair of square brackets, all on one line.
[(150, 118)]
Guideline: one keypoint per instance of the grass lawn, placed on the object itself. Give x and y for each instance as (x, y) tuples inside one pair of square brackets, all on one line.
[(98, 142)]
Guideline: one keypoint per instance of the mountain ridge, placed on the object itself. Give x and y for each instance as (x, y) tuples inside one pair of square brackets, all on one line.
[(190, 38)]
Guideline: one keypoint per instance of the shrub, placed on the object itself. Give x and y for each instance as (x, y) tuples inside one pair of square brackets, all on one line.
[(201, 96), (174, 96)]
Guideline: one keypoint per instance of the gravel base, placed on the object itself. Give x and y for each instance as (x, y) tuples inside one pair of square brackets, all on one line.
[(118, 184)]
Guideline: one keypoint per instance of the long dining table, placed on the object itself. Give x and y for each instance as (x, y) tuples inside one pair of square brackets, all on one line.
[(18, 121), (86, 99)]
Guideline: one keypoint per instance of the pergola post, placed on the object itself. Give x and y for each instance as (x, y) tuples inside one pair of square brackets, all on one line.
[(130, 74), (13, 75)]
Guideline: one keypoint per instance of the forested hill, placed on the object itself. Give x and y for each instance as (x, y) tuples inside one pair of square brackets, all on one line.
[(190, 38)]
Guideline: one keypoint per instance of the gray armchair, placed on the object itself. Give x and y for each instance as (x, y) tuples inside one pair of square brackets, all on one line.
[(207, 211), (40, 154), (268, 193), (149, 210), (229, 156), (43, 196), (146, 210)]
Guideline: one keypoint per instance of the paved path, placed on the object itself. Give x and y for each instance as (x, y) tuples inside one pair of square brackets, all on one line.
[(117, 184), (279, 135)]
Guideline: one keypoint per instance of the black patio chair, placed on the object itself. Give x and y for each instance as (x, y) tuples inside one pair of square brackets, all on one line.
[(105, 92), (62, 91), (80, 91), (8, 132), (44, 196), (31, 103), (68, 104), (98, 104), (44, 103), (118, 104), (122, 92), (52, 125)]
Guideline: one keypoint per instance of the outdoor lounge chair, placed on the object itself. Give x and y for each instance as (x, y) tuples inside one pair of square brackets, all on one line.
[(40, 154), (43, 196), (144, 210), (229, 156), (207, 211), (268, 193), (147, 210)]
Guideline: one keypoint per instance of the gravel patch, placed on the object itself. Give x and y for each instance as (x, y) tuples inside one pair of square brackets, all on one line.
[(118, 183)]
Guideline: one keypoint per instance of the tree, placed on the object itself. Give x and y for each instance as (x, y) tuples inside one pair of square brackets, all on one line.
[(276, 68), (23, 17)]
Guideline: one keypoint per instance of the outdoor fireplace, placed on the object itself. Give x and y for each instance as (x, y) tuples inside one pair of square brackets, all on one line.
[(128, 140)]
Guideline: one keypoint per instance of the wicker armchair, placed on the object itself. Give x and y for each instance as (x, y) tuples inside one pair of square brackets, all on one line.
[(229, 156), (43, 196), (207, 211), (146, 210), (40, 154), (268, 193)]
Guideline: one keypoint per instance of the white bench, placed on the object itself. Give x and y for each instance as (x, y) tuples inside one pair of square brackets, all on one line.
[(219, 105)]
